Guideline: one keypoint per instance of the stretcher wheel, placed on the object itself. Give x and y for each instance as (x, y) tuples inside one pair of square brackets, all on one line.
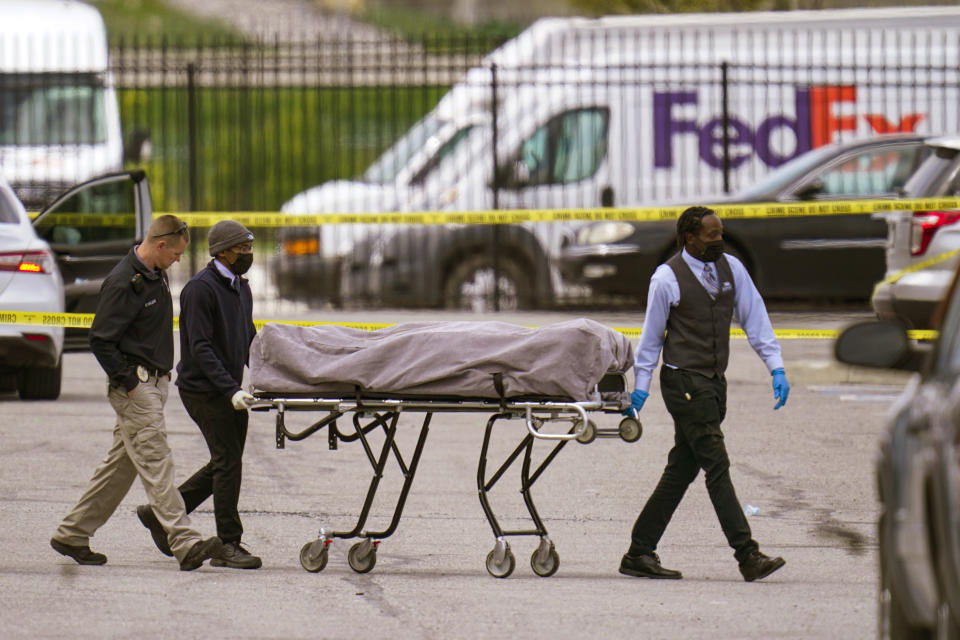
[(548, 566), (362, 556), (589, 434), (630, 429), (505, 568), (313, 556)]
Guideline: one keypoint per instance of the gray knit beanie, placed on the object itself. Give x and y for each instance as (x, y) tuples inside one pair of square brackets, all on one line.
[(226, 234)]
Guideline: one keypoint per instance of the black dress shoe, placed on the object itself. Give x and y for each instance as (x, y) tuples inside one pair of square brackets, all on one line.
[(200, 552), (82, 555), (758, 566), (647, 566), (149, 519)]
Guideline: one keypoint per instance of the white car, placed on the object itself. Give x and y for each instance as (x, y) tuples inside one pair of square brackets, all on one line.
[(922, 245), (57, 263), (30, 356)]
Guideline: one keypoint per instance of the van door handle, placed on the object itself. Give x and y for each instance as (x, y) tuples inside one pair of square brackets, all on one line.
[(606, 196)]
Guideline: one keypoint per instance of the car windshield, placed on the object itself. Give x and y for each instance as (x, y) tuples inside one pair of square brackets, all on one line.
[(931, 174), (385, 169), (784, 175), (51, 108)]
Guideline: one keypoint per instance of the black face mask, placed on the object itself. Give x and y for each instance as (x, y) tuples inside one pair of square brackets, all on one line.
[(712, 251), (242, 264)]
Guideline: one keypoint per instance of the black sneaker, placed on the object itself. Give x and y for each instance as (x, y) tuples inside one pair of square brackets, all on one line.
[(82, 555), (758, 566), (149, 519), (200, 552), (235, 556), (647, 566)]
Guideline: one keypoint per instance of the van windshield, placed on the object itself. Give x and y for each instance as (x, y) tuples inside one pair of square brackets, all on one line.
[(51, 109), (394, 159)]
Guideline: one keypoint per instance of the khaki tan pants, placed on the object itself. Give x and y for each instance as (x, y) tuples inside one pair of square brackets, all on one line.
[(139, 448)]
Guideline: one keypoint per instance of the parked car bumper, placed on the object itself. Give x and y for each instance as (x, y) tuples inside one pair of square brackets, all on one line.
[(609, 269), (912, 298), (313, 279)]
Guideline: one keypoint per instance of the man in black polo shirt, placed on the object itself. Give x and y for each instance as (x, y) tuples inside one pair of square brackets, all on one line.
[(216, 329), (132, 339), (692, 299)]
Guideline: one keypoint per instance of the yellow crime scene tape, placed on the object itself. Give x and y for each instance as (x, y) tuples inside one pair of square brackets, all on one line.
[(84, 320), (267, 219)]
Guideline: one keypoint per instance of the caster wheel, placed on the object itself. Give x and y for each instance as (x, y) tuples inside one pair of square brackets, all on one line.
[(630, 429), (362, 556), (503, 569), (313, 556), (589, 434), (548, 566)]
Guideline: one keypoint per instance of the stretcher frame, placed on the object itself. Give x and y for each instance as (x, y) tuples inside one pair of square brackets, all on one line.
[(371, 412)]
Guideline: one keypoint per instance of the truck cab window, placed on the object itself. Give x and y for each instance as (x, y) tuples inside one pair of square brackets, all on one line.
[(570, 147), (51, 108), (445, 149)]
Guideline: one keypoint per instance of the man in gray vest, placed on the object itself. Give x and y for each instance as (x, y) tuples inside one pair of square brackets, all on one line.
[(692, 299)]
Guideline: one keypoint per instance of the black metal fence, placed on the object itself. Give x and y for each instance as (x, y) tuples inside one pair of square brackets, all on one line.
[(567, 115)]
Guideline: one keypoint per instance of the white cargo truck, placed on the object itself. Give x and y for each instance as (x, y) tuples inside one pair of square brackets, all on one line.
[(59, 119), (619, 111)]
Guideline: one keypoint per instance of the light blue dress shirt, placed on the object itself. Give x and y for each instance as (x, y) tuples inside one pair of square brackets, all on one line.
[(748, 310), (225, 272)]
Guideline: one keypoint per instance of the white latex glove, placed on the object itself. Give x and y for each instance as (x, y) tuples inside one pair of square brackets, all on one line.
[(241, 400)]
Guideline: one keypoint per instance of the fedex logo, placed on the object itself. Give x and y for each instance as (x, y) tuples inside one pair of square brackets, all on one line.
[(814, 124)]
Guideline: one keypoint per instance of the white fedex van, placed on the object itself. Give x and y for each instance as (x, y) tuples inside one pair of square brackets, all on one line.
[(621, 111), (59, 119)]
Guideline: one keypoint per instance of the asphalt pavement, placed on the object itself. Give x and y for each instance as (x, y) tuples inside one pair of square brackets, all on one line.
[(807, 469)]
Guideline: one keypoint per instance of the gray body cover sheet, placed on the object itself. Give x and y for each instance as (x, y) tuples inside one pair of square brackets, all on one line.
[(428, 359)]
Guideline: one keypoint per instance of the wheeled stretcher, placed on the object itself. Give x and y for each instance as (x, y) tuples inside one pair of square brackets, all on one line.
[(352, 415)]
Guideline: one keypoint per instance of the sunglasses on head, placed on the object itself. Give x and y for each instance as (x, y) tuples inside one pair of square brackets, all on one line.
[(182, 230)]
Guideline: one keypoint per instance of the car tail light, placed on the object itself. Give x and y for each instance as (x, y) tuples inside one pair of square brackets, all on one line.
[(36, 337), (925, 225), (27, 262)]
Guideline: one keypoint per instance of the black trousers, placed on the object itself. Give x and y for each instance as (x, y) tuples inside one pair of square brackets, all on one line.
[(225, 430), (698, 405)]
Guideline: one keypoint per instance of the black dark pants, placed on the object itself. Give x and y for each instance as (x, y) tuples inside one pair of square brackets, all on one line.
[(698, 405), (225, 430)]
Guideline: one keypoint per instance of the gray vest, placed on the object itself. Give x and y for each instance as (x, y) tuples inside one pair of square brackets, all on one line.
[(698, 328)]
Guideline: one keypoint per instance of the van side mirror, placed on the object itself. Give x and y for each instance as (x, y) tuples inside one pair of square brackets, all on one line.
[(137, 149), (880, 344)]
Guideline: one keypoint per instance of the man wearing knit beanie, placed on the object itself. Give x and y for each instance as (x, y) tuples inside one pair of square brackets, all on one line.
[(216, 329), (226, 234)]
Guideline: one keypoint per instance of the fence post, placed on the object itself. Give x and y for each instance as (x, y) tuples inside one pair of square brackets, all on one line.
[(724, 66), (495, 253), (192, 152)]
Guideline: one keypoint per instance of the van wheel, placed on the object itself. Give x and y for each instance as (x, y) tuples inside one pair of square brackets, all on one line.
[(470, 286), (41, 383)]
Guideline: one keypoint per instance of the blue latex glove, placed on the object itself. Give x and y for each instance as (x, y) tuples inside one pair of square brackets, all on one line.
[(637, 398), (781, 388)]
